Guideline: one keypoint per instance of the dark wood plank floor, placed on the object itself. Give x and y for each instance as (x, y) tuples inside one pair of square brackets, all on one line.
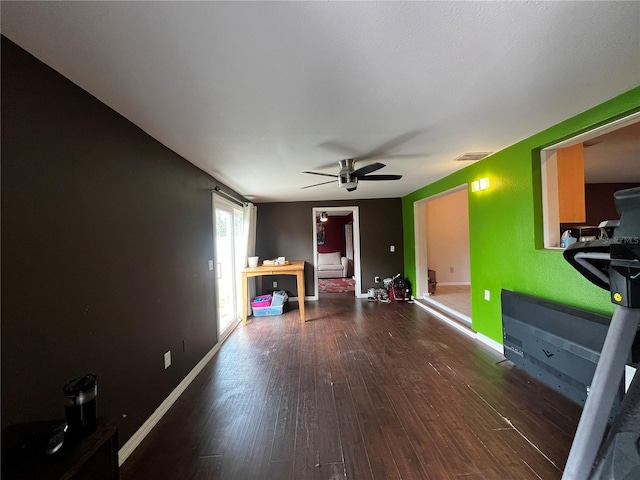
[(362, 390)]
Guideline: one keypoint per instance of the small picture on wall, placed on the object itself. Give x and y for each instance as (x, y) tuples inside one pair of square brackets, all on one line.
[(320, 233)]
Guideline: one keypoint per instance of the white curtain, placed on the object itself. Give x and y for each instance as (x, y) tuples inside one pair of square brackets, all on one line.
[(250, 213)]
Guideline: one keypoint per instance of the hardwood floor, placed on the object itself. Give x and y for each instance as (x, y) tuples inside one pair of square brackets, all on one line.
[(455, 297), (362, 390)]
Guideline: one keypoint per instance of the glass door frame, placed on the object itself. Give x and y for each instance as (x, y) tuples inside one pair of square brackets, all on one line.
[(238, 246)]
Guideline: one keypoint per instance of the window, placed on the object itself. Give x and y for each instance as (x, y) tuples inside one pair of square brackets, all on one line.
[(580, 175)]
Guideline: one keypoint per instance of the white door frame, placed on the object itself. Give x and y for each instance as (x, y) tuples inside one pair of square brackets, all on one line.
[(420, 239), (316, 211)]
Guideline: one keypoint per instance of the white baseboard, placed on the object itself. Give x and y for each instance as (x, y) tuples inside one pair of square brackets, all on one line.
[(490, 342), (137, 438), (444, 318), (454, 283), (467, 331), (460, 316)]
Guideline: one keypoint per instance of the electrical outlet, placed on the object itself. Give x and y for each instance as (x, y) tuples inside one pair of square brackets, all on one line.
[(392, 248), (275, 284), (376, 279), (210, 264), (487, 295), (167, 359)]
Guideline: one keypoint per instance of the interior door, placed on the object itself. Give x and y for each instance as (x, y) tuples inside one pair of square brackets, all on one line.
[(229, 245), (348, 241)]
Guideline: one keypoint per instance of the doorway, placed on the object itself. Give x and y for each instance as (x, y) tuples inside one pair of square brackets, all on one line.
[(442, 246), (229, 249), (349, 245)]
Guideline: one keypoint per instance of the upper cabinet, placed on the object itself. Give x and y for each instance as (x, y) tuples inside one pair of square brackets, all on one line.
[(570, 165)]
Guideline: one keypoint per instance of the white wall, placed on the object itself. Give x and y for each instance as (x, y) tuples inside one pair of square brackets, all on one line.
[(447, 221)]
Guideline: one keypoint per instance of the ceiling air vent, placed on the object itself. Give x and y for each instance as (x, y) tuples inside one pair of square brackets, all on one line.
[(470, 157)]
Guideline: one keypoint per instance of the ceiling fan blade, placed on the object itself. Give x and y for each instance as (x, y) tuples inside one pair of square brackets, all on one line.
[(323, 174), (316, 184), (380, 177), (383, 150), (340, 149), (367, 169)]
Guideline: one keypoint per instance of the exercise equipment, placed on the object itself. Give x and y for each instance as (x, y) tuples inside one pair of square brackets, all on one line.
[(612, 264)]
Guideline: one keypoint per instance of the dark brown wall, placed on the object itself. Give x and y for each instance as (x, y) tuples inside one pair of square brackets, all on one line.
[(106, 235), (599, 201), (286, 229)]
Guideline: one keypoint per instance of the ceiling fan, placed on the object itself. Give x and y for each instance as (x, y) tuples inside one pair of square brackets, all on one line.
[(348, 177)]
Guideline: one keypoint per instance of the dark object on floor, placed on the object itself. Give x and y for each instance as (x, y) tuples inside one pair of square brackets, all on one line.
[(558, 344), (400, 289), (432, 281)]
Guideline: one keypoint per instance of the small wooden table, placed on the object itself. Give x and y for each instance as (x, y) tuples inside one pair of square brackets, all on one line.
[(293, 268), (92, 458)]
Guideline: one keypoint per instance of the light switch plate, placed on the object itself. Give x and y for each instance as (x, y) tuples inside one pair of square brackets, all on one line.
[(487, 295), (167, 359), (210, 264)]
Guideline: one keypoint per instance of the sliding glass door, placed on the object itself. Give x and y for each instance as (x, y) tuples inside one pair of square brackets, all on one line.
[(230, 253)]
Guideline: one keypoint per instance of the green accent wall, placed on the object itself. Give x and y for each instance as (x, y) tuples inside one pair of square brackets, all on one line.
[(505, 224)]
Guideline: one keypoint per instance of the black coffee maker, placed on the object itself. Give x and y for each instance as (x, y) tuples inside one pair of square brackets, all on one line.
[(80, 405), (80, 409)]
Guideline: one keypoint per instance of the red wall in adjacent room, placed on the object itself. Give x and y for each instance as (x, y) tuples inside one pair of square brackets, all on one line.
[(334, 235)]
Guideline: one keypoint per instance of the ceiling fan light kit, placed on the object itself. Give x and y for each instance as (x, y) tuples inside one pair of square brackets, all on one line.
[(348, 176), (346, 179)]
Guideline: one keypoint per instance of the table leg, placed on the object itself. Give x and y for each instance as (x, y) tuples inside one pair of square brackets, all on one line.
[(300, 277), (244, 298)]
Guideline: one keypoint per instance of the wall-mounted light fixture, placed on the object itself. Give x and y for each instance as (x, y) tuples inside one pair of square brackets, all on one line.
[(324, 217), (481, 184)]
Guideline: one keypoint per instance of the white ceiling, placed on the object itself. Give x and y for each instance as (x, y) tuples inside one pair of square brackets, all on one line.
[(254, 93)]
